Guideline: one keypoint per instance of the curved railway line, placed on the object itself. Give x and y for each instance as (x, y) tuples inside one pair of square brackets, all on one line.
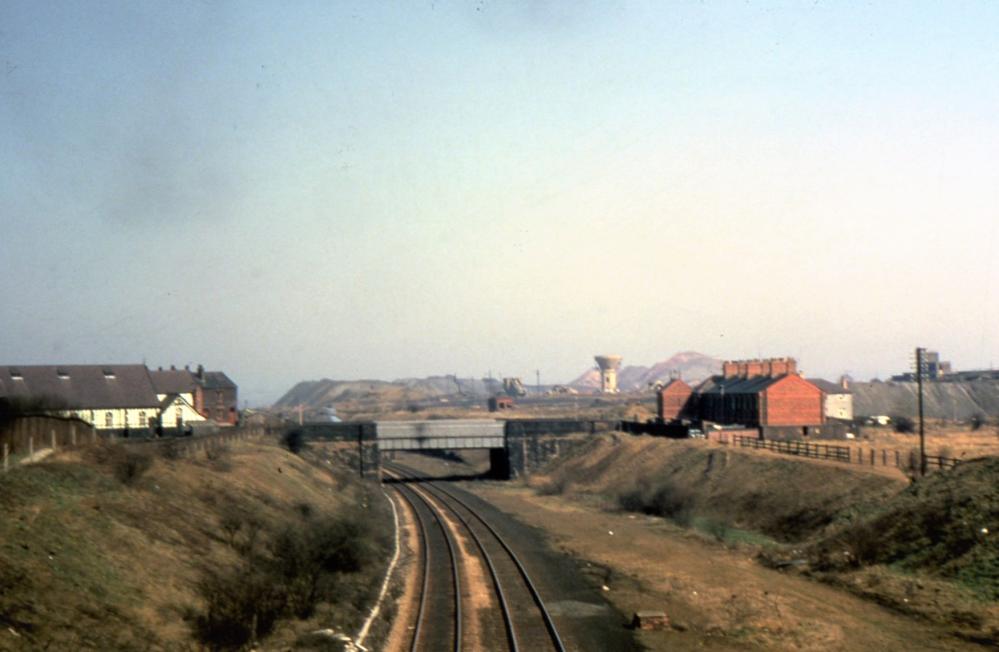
[(516, 618)]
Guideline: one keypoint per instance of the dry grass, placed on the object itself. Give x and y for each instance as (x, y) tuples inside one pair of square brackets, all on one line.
[(89, 562), (957, 439)]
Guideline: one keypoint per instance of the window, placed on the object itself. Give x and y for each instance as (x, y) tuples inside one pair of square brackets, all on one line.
[(142, 419), (108, 419), (179, 417)]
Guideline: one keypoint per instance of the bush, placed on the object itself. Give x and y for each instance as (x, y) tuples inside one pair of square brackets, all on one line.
[(668, 500), (131, 466), (307, 563), (170, 449), (241, 605), (294, 441), (217, 453), (976, 422), (904, 425)]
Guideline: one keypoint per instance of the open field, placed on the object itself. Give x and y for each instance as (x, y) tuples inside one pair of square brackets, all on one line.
[(945, 438)]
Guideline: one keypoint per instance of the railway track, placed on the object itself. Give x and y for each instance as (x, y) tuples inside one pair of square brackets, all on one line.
[(516, 618)]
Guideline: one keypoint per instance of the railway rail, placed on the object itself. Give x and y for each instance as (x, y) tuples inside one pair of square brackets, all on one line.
[(520, 622)]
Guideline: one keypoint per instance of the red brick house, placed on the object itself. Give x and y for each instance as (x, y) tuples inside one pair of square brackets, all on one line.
[(673, 401), (220, 402)]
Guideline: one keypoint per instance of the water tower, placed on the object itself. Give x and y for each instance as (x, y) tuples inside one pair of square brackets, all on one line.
[(609, 364)]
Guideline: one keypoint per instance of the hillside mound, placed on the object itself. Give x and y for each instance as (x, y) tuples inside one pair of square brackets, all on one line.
[(946, 525), (324, 393), (786, 499), (112, 548), (941, 400), (689, 365), (929, 549)]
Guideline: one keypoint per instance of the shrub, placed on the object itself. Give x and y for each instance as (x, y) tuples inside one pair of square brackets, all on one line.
[(668, 500), (217, 453), (129, 465), (170, 449), (977, 421), (904, 425), (294, 441), (241, 605)]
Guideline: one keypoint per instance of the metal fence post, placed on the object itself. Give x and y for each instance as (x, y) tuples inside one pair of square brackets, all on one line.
[(72, 434), (31, 446), (6, 454), (52, 434)]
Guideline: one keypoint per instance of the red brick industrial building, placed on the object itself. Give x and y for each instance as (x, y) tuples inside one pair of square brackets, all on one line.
[(765, 394), (673, 401)]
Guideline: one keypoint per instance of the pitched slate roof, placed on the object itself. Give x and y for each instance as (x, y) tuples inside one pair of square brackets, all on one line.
[(217, 380), (828, 387), (722, 385), (81, 386), (173, 381)]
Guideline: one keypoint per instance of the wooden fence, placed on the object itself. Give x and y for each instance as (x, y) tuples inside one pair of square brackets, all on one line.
[(27, 439), (894, 458)]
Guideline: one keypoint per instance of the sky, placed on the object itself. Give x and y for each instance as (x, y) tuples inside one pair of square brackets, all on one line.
[(297, 190)]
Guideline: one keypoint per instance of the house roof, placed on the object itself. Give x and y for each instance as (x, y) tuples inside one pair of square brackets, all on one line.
[(81, 386), (173, 381), (828, 387), (217, 380), (722, 385)]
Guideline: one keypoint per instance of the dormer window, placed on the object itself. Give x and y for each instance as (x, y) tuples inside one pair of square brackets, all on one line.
[(108, 373), (15, 374), (62, 373)]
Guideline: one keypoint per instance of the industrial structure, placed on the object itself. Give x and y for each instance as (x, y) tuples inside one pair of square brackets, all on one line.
[(768, 395), (608, 364)]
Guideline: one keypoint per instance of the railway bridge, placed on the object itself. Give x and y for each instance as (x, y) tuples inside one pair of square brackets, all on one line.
[(515, 445)]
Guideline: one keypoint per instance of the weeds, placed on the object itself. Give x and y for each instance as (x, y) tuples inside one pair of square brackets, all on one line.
[(218, 455), (554, 486), (668, 500), (303, 565), (126, 464), (294, 441)]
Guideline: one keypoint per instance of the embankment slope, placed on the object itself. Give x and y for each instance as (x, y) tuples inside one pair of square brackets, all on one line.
[(97, 555)]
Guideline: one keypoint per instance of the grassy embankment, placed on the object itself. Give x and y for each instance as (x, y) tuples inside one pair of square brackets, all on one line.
[(107, 549), (929, 549)]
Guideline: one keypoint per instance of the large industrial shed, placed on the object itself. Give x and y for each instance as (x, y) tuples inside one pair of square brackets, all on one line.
[(764, 394)]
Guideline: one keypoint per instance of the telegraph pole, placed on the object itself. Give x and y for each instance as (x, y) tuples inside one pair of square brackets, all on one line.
[(922, 432)]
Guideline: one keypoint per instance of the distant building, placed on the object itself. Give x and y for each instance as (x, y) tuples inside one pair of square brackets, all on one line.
[(109, 397), (497, 403), (181, 396), (933, 369), (221, 400), (192, 396), (768, 394), (673, 400), (838, 401)]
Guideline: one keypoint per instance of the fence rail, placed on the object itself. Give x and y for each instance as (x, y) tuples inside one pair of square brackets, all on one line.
[(892, 458), (29, 439)]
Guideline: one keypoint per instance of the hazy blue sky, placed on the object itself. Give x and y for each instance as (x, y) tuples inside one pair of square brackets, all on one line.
[(297, 190)]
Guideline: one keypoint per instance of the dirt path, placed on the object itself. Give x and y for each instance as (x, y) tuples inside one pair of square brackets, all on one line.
[(716, 597)]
